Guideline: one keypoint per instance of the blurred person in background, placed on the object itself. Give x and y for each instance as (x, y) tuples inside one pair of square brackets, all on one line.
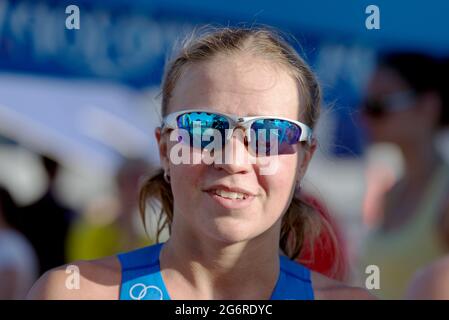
[(18, 263), (405, 105), (93, 237), (46, 222)]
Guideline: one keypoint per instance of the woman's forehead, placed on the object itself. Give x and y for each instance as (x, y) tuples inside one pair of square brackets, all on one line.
[(237, 85)]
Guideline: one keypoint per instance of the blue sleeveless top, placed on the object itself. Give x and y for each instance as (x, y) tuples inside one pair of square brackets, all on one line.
[(142, 279)]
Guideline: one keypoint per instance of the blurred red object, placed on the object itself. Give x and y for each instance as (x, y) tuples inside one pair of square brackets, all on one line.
[(329, 256)]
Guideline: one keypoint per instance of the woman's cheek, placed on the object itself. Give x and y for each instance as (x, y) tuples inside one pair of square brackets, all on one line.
[(278, 186), (184, 183)]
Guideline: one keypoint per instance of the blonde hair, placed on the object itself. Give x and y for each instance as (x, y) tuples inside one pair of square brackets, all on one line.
[(299, 219)]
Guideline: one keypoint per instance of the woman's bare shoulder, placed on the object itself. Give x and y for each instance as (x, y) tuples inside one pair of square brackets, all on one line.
[(326, 288), (80, 280), (431, 282)]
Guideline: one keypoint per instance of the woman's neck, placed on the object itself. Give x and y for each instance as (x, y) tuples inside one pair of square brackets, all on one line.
[(207, 269)]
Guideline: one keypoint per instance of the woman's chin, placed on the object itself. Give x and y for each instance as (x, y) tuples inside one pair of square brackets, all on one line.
[(229, 230)]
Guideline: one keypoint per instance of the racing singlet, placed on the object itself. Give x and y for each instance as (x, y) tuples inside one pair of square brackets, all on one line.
[(142, 279)]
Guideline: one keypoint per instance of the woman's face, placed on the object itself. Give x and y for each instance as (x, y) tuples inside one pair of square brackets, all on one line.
[(245, 86)]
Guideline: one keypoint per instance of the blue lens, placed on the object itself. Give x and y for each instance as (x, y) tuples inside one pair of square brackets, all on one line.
[(286, 134), (196, 123)]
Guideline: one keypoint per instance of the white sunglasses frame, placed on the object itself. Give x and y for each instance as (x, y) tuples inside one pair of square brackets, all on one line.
[(170, 121)]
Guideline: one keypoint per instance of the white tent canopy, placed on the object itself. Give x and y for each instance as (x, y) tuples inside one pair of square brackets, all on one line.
[(82, 123)]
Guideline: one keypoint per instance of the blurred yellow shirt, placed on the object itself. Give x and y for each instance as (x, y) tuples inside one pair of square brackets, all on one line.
[(87, 241), (401, 253)]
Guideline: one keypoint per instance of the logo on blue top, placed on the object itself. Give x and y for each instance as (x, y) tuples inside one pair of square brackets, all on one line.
[(140, 291)]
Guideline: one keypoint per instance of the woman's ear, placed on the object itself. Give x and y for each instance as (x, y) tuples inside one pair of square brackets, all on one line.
[(163, 149), (307, 154)]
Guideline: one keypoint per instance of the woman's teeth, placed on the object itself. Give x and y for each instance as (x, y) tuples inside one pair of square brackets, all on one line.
[(230, 194)]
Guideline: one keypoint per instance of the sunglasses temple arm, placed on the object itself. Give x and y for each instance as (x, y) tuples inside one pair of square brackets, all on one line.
[(309, 135)]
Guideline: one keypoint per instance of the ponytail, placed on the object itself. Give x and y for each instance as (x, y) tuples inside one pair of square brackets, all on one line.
[(156, 188)]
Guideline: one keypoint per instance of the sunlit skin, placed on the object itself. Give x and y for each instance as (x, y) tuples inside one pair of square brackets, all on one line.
[(216, 252)]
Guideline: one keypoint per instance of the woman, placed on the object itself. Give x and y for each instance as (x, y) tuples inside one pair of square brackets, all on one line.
[(228, 219), (405, 106)]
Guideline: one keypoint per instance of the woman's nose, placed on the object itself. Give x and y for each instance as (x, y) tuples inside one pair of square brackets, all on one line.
[(234, 157)]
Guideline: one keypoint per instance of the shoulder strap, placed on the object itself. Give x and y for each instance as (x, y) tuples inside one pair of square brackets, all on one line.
[(294, 282), (141, 276)]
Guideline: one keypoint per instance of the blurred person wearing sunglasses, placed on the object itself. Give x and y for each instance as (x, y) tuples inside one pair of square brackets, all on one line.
[(234, 231), (405, 106)]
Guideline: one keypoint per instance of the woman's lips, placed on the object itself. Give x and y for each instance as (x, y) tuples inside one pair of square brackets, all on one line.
[(231, 203)]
